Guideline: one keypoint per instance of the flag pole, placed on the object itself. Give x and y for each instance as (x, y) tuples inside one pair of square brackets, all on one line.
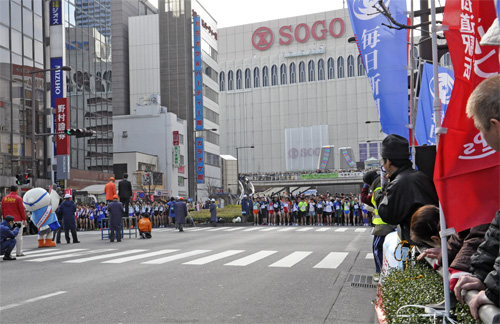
[(437, 120)]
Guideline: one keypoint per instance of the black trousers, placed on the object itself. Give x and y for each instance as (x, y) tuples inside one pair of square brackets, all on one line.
[(125, 202), (58, 233), (73, 233), (116, 230)]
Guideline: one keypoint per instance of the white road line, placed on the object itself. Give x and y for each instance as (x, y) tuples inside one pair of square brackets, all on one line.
[(360, 230), (305, 229), (233, 229), (323, 229), (176, 257), (285, 229), (216, 229), (39, 251), (268, 229), (197, 229), (291, 260), (105, 256), (251, 258), (341, 230), (251, 229), (140, 256), (69, 255), (369, 256), (51, 253), (332, 260), (31, 300), (214, 257)]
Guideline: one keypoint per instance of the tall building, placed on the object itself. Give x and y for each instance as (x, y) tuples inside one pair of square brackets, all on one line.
[(161, 65), (292, 86), (21, 53)]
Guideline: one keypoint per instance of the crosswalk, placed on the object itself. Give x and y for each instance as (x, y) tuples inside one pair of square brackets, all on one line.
[(230, 258), (244, 229)]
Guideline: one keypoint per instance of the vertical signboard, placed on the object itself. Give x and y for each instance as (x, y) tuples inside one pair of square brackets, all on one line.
[(198, 74), (177, 156), (175, 137), (200, 163), (55, 12)]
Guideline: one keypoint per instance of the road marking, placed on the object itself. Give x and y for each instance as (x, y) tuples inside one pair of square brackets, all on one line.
[(267, 229), (285, 229), (214, 257), (176, 257), (198, 229), (369, 256), (251, 258), (39, 251), (233, 229), (140, 256), (31, 300), (360, 230), (216, 229), (323, 229), (305, 229), (341, 230), (105, 256), (70, 255), (52, 253), (251, 229), (291, 260), (332, 260)]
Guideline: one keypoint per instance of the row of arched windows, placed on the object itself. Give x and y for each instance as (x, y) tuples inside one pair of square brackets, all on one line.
[(290, 75)]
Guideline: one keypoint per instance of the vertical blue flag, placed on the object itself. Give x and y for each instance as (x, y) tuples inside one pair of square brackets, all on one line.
[(384, 55), (425, 126)]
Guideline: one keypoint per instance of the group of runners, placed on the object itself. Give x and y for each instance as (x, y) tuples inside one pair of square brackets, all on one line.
[(329, 210)]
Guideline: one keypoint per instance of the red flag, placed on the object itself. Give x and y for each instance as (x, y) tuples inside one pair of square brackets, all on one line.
[(467, 171)]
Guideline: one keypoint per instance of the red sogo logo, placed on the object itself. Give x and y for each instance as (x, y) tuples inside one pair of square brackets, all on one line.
[(263, 37)]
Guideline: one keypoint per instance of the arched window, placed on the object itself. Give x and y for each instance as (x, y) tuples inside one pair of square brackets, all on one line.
[(302, 72), (274, 75), (222, 81), (331, 70), (311, 72), (283, 74), (239, 83), (293, 78), (350, 66), (361, 67), (321, 70), (265, 76), (256, 77), (248, 79), (230, 78), (340, 68)]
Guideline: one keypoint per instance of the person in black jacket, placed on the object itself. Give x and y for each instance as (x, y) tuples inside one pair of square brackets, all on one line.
[(125, 192), (406, 189), (67, 210), (8, 233), (483, 106)]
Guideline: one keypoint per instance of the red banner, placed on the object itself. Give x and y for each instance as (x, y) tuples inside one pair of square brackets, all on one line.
[(467, 172), (134, 196), (62, 123)]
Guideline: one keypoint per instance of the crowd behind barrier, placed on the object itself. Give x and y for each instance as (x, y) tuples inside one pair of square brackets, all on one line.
[(300, 175)]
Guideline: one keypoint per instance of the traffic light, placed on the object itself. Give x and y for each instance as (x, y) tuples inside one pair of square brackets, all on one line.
[(19, 180), (79, 132), (26, 178), (23, 179)]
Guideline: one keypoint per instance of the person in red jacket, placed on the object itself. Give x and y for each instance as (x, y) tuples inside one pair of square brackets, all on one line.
[(145, 227), (110, 189), (13, 205)]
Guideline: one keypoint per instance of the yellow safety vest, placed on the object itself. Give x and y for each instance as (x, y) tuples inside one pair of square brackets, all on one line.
[(376, 218)]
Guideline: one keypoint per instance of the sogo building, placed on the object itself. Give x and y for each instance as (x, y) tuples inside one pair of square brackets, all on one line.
[(291, 86)]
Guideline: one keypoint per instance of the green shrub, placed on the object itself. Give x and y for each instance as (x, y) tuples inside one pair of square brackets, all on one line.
[(227, 213), (418, 285)]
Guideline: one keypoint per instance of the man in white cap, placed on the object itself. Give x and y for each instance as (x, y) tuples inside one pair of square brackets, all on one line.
[(245, 208), (213, 212), (67, 212)]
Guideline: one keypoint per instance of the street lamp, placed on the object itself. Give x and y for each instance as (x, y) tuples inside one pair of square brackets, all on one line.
[(238, 161), (33, 115)]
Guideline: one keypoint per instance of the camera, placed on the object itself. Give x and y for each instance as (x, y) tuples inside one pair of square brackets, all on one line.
[(18, 225)]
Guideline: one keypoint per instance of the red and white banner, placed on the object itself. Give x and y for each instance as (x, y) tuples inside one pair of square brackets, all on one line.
[(467, 171), (134, 196)]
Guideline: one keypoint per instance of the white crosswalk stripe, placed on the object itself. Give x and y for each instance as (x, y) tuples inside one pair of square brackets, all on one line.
[(140, 256), (68, 255), (48, 253), (216, 229), (233, 229), (369, 256), (360, 230), (331, 261), (38, 251), (176, 257), (197, 229), (291, 260), (341, 230), (304, 229), (251, 258), (324, 229), (268, 229), (106, 256), (251, 229), (286, 229), (215, 257)]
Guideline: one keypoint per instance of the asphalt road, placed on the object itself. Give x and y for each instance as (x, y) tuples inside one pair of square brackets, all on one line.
[(203, 275)]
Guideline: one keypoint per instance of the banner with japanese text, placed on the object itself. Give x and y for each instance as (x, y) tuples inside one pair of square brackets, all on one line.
[(198, 75), (425, 126), (384, 53), (200, 161), (467, 170)]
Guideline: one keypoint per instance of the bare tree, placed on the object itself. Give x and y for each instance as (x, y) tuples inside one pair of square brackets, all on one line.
[(211, 187)]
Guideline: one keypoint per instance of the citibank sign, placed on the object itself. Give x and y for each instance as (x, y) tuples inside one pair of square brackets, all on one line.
[(263, 37)]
